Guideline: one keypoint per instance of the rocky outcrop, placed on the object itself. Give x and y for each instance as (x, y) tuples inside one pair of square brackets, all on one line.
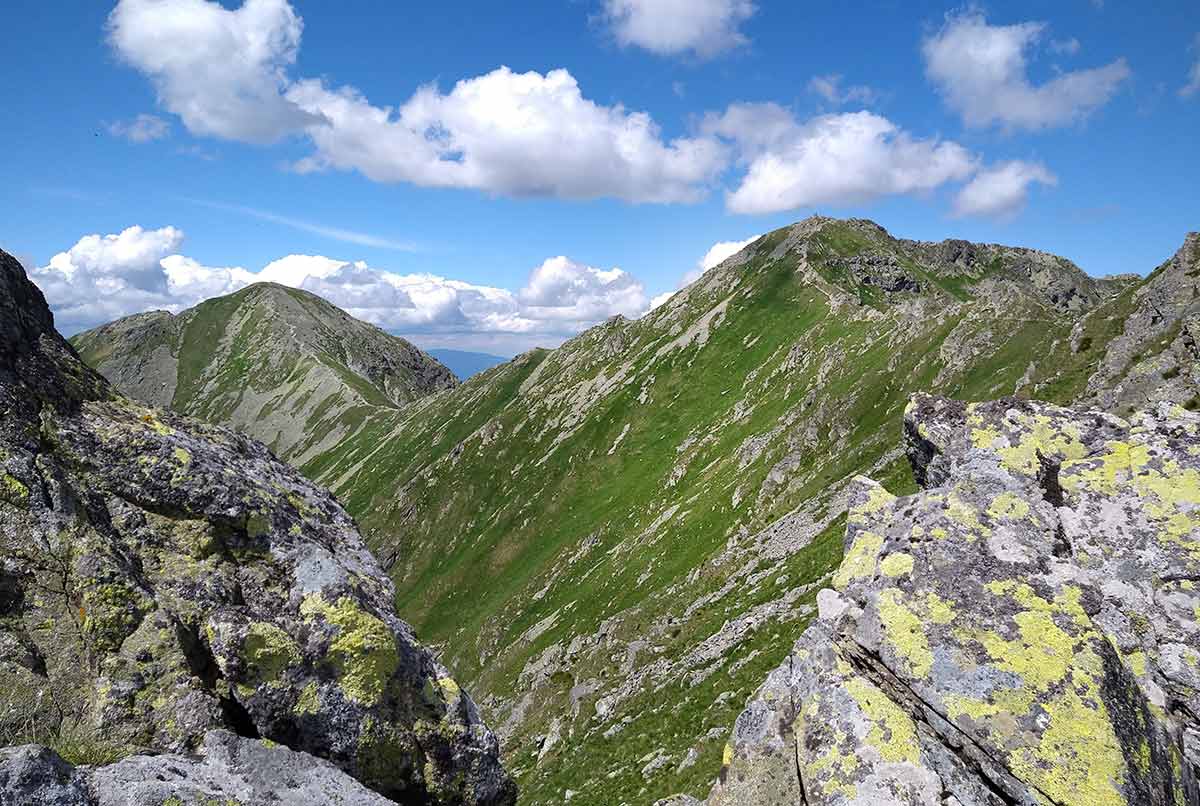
[(1156, 355), (161, 579), (1024, 630), (226, 769)]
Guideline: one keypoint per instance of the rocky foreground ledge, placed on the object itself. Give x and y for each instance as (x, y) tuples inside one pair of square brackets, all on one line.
[(168, 587), (1025, 630)]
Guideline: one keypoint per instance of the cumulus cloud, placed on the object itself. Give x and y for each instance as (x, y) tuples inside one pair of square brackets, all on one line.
[(722, 251), (222, 71), (141, 129), (102, 278), (717, 254), (520, 134), (1193, 85), (832, 159), (671, 27), (225, 73), (981, 70), (829, 87), (1001, 191)]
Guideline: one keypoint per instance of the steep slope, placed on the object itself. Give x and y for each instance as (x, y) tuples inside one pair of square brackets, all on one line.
[(162, 580), (281, 365), (618, 539), (1025, 630)]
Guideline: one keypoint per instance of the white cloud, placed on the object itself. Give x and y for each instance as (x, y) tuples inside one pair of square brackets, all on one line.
[(1001, 191), (141, 129), (671, 27), (722, 251), (981, 71), (832, 159), (717, 254), (221, 71), (1193, 85), (102, 278), (829, 87), (224, 72), (520, 134), (1067, 47), (660, 299)]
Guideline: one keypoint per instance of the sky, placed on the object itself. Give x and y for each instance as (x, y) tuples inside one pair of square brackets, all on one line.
[(497, 176)]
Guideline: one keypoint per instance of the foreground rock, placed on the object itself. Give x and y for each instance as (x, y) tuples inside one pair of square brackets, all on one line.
[(1023, 631), (228, 770), (161, 579)]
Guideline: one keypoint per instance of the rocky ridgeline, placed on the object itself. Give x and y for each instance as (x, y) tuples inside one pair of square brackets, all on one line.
[(1024, 630), (168, 587)]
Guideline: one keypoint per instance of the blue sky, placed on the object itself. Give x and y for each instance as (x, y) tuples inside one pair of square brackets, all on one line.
[(471, 207)]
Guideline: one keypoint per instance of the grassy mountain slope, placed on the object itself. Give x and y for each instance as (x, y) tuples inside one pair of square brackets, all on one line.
[(616, 540), (281, 364)]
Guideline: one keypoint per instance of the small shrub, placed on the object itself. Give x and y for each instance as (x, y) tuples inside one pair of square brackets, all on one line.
[(1173, 372)]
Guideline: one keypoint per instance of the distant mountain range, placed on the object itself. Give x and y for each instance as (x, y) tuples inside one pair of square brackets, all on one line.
[(280, 364), (466, 364), (615, 542)]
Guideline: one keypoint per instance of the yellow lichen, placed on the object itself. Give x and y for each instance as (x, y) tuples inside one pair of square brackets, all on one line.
[(309, 701), (904, 625), (1103, 473), (450, 689), (892, 733), (182, 456), (962, 512), (895, 565), (984, 437), (1041, 436), (1078, 758), (877, 499), (364, 651), (269, 652), (13, 490), (1008, 506), (860, 560)]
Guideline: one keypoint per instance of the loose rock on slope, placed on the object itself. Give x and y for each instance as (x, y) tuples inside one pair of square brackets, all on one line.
[(164, 579), (1025, 630)]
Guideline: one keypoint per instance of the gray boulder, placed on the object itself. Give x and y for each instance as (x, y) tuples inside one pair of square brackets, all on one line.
[(1025, 630), (227, 769)]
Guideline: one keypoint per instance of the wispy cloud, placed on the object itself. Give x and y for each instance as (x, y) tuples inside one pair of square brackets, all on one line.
[(334, 233), (142, 129)]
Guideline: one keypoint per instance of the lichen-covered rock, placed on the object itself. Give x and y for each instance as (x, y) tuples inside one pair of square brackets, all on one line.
[(1025, 630), (161, 579), (227, 770)]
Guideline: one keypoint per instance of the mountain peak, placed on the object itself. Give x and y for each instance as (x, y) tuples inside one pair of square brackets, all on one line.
[(269, 359)]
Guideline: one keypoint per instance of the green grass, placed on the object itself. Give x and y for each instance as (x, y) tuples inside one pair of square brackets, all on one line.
[(528, 496), (482, 516)]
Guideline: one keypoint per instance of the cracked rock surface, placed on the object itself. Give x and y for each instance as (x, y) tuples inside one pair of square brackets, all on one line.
[(161, 579), (1024, 630)]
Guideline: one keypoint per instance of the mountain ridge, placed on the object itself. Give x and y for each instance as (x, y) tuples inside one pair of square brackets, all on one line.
[(617, 540), (280, 363)]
